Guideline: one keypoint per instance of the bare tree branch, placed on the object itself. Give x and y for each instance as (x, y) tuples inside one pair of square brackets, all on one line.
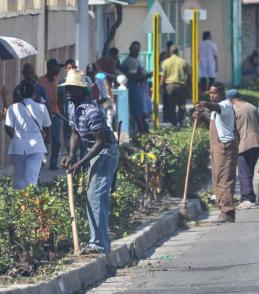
[(115, 26)]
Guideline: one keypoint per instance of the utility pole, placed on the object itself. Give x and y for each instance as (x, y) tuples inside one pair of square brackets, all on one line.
[(82, 38), (41, 39)]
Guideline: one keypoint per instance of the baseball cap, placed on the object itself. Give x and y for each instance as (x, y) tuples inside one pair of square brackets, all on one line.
[(233, 93), (53, 62)]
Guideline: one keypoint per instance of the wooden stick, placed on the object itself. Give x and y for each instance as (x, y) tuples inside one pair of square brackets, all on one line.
[(72, 213), (186, 185)]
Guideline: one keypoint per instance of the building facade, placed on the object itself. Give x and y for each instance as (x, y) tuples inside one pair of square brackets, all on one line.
[(224, 20), (50, 26)]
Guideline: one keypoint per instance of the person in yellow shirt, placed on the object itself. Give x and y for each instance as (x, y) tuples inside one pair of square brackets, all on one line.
[(176, 80)]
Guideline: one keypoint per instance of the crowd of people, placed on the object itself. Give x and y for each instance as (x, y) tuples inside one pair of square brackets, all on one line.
[(82, 103), (49, 92), (83, 106)]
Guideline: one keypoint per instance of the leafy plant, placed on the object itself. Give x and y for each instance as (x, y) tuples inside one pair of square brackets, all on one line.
[(35, 224)]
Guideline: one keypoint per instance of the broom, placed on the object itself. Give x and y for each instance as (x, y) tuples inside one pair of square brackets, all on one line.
[(183, 205)]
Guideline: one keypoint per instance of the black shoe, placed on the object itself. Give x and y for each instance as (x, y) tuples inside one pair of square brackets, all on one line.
[(228, 217)]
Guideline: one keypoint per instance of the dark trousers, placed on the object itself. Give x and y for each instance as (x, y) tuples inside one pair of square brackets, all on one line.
[(55, 140), (246, 165), (177, 94), (205, 83), (166, 110)]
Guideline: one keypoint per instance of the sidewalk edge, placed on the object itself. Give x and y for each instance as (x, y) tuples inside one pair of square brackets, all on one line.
[(122, 254)]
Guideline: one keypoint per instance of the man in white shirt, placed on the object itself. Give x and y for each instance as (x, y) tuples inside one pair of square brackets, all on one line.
[(208, 61), (224, 149)]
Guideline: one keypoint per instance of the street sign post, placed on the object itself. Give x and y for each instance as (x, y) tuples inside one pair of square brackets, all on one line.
[(156, 22), (195, 57), (195, 15), (156, 82)]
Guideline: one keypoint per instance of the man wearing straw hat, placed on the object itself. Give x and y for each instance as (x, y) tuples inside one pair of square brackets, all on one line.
[(88, 124)]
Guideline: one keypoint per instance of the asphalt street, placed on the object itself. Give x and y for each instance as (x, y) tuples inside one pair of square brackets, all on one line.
[(219, 259), (202, 258)]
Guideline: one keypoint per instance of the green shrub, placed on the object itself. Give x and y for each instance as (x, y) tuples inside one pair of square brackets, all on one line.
[(250, 95), (35, 222), (171, 147), (32, 223)]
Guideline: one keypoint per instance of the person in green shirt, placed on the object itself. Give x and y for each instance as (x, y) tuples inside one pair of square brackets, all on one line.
[(176, 80)]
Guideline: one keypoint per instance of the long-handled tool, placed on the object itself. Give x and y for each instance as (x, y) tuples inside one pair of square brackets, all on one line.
[(113, 187), (183, 206), (72, 213)]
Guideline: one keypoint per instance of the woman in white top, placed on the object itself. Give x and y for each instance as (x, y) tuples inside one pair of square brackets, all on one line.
[(26, 123)]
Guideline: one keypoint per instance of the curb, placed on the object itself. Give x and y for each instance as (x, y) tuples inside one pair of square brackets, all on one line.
[(122, 254)]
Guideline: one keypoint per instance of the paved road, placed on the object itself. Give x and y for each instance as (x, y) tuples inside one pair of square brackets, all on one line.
[(206, 258)]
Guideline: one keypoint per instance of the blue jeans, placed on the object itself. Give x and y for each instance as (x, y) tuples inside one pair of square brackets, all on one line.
[(55, 140), (101, 172)]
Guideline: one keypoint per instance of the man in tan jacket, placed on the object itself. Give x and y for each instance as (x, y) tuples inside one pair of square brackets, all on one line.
[(247, 124)]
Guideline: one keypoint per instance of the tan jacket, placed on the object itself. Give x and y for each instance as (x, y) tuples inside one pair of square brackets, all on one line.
[(247, 125)]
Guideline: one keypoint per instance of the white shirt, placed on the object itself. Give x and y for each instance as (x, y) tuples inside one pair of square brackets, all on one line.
[(27, 137), (207, 64), (225, 122)]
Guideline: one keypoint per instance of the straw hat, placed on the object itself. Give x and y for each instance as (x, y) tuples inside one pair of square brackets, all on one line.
[(76, 78)]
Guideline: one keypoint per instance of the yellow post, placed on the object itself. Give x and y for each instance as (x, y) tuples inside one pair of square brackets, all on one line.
[(156, 94), (195, 57)]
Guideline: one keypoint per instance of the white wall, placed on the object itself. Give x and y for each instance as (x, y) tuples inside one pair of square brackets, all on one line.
[(133, 16), (62, 29), (219, 24)]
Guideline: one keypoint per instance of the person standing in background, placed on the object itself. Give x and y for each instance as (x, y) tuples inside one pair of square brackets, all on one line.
[(247, 123), (69, 64), (50, 83), (176, 80), (30, 76), (110, 63), (136, 75), (166, 53), (163, 56), (26, 123), (208, 61)]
